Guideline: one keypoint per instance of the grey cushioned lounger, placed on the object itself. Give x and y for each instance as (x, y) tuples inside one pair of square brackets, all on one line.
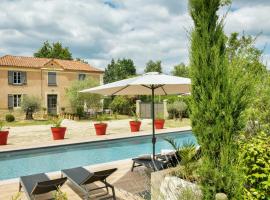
[(81, 177), (36, 184)]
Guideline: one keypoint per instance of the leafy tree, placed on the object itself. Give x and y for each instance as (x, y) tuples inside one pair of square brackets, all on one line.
[(121, 69), (152, 66), (181, 70), (30, 105), (54, 50), (122, 105), (78, 100), (217, 103)]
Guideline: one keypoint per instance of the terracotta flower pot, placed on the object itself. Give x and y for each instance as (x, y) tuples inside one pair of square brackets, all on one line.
[(58, 132), (100, 128), (135, 126), (159, 123), (3, 137)]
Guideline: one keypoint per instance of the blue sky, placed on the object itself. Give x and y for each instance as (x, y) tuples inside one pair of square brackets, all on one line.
[(99, 30)]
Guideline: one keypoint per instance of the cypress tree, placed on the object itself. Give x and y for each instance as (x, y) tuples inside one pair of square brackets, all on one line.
[(217, 103)]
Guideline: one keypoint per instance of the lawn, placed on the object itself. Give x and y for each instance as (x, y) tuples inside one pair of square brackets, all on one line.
[(27, 123)]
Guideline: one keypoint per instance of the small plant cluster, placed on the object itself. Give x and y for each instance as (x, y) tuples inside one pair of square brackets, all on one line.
[(1, 125), (59, 195), (256, 164), (10, 118), (57, 122)]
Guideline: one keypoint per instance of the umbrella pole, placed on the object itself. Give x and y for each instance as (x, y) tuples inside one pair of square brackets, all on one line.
[(153, 120)]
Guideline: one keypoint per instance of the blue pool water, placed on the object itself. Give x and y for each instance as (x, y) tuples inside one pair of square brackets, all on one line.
[(26, 162)]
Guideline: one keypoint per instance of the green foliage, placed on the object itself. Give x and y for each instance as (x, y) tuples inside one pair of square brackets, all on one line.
[(188, 159), (10, 118), (135, 116), (122, 105), (17, 196), (2, 123), (54, 50), (80, 111), (121, 69), (181, 70), (177, 109), (256, 162), (56, 122), (218, 102), (160, 116), (59, 195), (30, 105), (78, 100), (152, 66), (101, 117)]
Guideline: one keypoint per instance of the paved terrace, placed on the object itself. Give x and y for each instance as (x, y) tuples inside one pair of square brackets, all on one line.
[(129, 185), (77, 131)]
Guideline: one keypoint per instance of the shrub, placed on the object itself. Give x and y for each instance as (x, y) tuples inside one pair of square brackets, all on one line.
[(80, 111), (177, 109), (122, 105), (255, 158), (10, 118)]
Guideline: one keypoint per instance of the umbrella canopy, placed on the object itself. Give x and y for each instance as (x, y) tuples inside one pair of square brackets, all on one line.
[(141, 85), (151, 83)]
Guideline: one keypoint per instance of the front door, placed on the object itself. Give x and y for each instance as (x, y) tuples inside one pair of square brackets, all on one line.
[(52, 104)]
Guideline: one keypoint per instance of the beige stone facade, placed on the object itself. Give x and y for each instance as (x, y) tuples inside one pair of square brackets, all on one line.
[(36, 84)]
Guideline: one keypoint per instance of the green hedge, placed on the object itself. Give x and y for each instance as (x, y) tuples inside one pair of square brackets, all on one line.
[(256, 162)]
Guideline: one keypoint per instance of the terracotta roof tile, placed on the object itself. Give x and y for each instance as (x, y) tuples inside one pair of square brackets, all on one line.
[(32, 62)]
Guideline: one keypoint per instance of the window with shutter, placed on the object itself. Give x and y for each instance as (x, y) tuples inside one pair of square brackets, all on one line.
[(51, 78), (23, 78), (10, 77)]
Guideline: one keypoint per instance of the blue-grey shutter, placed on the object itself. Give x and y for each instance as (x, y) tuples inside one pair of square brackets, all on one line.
[(24, 77), (10, 77), (10, 101)]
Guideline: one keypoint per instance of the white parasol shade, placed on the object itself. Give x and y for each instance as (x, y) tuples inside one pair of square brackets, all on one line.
[(151, 83), (141, 85)]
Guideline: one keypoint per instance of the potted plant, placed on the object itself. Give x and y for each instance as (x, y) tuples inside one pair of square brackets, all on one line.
[(159, 121), (100, 127), (3, 134), (135, 124), (58, 131)]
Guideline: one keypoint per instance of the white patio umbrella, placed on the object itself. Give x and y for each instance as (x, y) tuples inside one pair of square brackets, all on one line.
[(151, 83)]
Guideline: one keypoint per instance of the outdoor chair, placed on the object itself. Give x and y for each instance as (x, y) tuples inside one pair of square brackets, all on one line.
[(161, 161), (82, 178), (37, 184)]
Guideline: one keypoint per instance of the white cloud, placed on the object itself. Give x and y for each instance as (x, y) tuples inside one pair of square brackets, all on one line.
[(101, 30)]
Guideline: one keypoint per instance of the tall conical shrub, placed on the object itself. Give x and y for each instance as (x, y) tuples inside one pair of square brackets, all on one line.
[(217, 104)]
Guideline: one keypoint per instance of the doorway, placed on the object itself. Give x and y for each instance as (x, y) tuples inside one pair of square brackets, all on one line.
[(52, 104)]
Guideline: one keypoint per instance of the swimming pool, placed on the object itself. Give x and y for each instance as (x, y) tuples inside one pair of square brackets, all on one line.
[(26, 162)]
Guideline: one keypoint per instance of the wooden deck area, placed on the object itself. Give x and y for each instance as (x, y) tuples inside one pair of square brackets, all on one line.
[(128, 185)]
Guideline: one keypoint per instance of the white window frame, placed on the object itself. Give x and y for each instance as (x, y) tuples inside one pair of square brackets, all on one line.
[(17, 100), (17, 78)]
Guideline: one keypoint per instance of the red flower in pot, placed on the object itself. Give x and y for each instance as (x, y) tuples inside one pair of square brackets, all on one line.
[(135, 124), (58, 131), (159, 121), (3, 134), (100, 127)]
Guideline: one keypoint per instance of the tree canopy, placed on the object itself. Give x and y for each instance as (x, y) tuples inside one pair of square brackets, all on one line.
[(78, 100), (54, 50), (153, 66), (121, 69), (181, 70)]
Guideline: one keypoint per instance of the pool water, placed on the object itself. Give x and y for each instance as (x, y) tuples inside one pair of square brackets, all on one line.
[(26, 162)]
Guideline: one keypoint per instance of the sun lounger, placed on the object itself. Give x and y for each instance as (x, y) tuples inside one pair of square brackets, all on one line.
[(161, 161), (81, 178), (36, 184)]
